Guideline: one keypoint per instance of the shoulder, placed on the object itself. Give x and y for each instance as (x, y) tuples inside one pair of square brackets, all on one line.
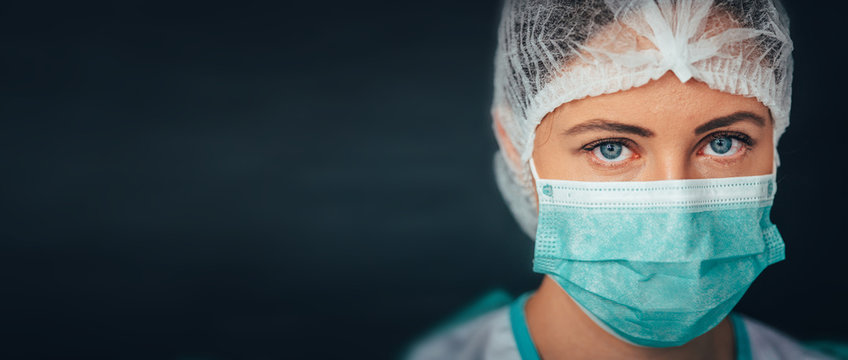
[(768, 343), (488, 336)]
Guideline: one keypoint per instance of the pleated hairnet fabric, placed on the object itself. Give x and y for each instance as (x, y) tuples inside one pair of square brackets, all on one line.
[(551, 52)]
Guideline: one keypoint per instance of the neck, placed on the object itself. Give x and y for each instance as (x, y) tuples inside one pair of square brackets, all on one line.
[(561, 330)]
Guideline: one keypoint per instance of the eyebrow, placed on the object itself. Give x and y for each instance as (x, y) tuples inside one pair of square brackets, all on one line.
[(730, 120), (607, 125)]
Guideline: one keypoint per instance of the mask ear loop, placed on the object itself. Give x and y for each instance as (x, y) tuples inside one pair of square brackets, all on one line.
[(533, 170), (774, 170)]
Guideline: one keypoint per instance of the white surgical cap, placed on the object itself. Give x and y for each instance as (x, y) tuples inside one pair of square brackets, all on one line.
[(551, 52)]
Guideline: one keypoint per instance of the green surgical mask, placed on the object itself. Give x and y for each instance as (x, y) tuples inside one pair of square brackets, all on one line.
[(656, 263)]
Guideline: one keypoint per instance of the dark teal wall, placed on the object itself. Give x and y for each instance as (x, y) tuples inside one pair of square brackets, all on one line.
[(254, 181)]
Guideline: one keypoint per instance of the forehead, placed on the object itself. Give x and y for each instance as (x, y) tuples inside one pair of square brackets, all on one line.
[(662, 102)]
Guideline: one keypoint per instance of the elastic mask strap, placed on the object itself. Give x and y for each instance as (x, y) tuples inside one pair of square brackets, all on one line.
[(533, 170), (774, 171)]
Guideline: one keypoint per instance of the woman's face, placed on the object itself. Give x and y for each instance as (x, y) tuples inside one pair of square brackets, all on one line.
[(660, 131)]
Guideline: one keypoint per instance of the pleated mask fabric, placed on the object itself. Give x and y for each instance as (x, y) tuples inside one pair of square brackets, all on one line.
[(656, 263)]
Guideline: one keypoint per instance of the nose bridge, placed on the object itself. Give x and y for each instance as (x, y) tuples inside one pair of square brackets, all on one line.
[(669, 165)]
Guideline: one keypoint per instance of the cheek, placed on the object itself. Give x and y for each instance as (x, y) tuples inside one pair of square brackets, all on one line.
[(763, 156), (766, 164)]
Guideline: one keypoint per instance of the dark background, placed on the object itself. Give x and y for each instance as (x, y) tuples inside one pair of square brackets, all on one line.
[(252, 181)]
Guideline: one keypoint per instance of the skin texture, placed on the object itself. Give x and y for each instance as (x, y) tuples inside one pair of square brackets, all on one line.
[(671, 112)]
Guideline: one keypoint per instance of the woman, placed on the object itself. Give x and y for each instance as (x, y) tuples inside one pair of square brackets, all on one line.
[(638, 148)]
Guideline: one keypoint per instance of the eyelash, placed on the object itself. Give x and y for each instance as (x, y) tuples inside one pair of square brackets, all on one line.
[(592, 145), (746, 141)]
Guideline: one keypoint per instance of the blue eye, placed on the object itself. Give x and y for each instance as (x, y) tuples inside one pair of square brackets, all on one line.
[(723, 146), (611, 152)]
